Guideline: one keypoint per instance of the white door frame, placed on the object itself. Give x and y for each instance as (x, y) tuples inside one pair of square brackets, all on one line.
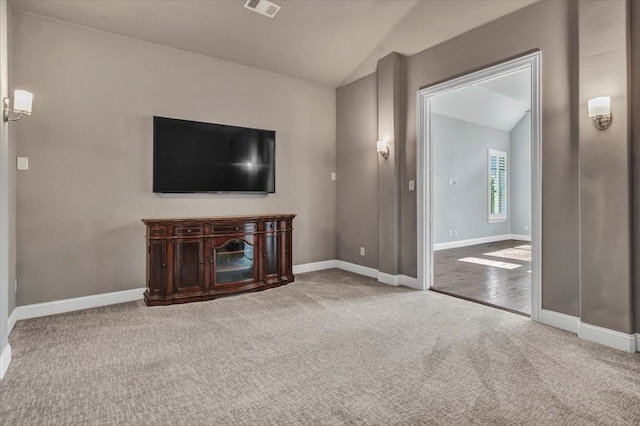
[(531, 61)]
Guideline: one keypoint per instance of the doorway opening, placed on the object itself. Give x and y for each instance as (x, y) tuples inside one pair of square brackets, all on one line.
[(479, 177)]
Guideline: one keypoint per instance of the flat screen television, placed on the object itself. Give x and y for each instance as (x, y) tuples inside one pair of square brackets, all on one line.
[(190, 156)]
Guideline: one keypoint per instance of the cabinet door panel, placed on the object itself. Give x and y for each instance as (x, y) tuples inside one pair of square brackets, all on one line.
[(271, 254), (157, 265), (188, 267), (286, 251)]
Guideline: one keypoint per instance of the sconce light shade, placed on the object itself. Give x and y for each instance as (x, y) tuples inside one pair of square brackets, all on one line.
[(22, 102), (383, 149), (599, 106), (600, 112)]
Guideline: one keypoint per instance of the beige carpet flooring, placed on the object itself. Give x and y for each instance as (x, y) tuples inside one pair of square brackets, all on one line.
[(333, 348)]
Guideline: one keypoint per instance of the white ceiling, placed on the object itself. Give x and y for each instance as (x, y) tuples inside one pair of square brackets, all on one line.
[(329, 42), (516, 85), (499, 103)]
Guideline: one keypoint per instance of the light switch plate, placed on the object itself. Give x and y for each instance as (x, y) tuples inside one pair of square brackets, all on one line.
[(23, 163), (333, 175), (412, 185)]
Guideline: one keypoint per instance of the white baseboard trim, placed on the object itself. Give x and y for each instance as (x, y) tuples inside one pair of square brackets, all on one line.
[(388, 279), (76, 304), (94, 301), (382, 277), (315, 266), (592, 333), (357, 269), (12, 321), (396, 280), (604, 336), (482, 240), (408, 281), (561, 321), (5, 360)]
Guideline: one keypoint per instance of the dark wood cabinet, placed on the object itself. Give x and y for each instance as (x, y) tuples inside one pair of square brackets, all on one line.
[(188, 265), (157, 267), (200, 259)]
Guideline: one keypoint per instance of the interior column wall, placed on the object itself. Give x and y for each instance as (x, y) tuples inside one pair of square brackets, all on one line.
[(635, 141), (605, 169), (390, 118), (7, 191), (357, 189), (12, 174)]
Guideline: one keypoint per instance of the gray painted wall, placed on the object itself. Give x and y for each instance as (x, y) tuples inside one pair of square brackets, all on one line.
[(390, 73), (7, 136), (89, 143), (520, 174), (4, 166), (357, 132), (635, 126), (550, 27), (606, 291), (12, 169), (460, 153)]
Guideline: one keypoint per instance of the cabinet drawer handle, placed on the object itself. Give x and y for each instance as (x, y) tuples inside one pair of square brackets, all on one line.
[(237, 228), (202, 262), (189, 231), (164, 264)]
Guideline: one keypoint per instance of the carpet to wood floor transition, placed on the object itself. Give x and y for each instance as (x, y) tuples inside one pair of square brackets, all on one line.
[(332, 348)]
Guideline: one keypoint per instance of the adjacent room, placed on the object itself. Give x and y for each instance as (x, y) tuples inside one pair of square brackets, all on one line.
[(227, 213), (481, 173)]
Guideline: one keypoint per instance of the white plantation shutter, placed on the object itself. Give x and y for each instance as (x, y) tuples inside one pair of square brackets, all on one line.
[(497, 185), (502, 184)]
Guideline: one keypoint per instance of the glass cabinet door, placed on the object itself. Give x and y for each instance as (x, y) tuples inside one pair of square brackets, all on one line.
[(234, 262)]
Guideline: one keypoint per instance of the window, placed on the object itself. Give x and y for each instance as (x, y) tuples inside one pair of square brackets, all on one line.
[(497, 186)]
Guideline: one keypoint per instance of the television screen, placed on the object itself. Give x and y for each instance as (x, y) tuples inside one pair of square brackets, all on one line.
[(189, 156)]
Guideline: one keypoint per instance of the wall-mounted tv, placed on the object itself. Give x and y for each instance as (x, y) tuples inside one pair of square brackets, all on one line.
[(190, 156)]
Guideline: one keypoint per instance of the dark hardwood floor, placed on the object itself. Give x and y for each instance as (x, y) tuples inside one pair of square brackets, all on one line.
[(504, 281)]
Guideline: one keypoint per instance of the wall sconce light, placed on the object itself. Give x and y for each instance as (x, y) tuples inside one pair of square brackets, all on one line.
[(600, 112), (22, 102), (383, 149)]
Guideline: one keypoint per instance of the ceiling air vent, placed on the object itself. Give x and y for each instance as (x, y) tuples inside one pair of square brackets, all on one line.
[(263, 7)]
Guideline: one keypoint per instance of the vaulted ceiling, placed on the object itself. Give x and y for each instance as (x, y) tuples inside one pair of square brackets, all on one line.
[(499, 103), (330, 42)]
